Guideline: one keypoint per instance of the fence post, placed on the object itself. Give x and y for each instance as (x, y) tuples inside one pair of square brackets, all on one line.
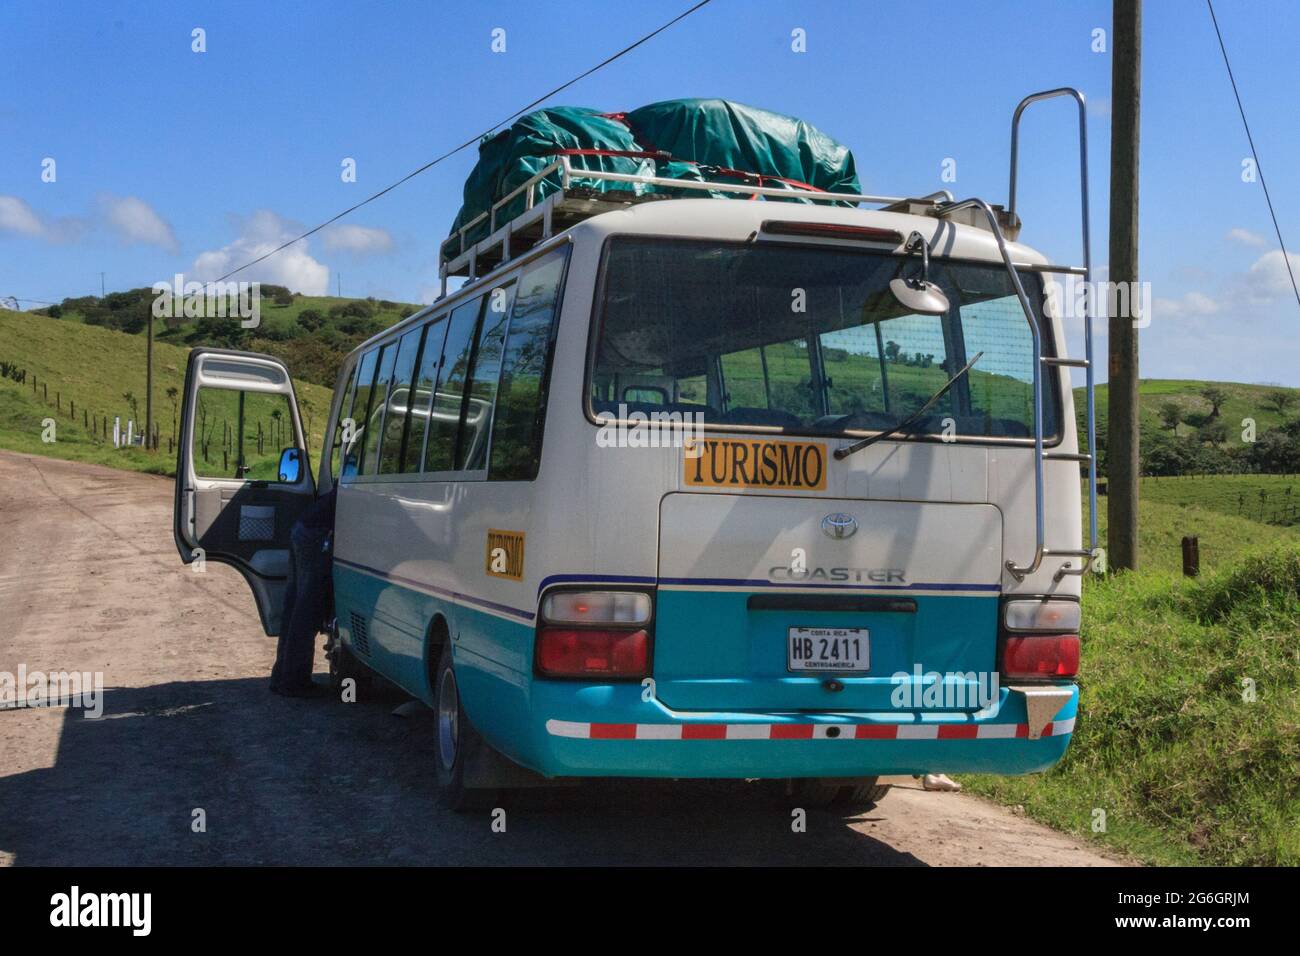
[(1191, 556)]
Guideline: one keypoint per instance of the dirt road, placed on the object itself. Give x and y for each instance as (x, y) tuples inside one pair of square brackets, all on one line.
[(90, 581)]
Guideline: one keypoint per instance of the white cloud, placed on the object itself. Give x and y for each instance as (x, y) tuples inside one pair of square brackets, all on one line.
[(357, 240), (1268, 278), (134, 220), (1192, 304), (16, 216), (1246, 238), (261, 232)]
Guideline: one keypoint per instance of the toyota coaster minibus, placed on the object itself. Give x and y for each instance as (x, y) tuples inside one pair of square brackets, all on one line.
[(695, 488)]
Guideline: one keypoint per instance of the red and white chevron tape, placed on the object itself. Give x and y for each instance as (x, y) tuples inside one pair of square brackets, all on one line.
[(801, 731)]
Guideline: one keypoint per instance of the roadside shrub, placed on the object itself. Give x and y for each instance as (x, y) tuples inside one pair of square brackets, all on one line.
[(311, 319), (357, 310), (1260, 589)]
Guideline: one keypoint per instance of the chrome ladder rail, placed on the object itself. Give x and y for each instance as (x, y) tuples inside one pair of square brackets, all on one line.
[(1041, 551), (1090, 555)]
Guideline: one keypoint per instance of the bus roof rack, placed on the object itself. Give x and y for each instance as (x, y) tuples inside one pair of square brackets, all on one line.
[(573, 202)]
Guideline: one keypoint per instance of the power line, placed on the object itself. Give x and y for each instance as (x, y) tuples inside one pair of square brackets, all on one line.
[(1258, 168), (474, 139)]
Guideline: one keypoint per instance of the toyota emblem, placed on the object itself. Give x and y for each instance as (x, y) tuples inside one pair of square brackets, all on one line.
[(839, 525)]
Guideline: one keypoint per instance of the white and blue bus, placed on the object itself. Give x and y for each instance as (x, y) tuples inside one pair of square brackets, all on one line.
[(695, 488)]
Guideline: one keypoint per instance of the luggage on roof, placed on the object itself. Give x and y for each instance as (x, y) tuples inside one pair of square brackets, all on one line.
[(732, 136), (690, 139)]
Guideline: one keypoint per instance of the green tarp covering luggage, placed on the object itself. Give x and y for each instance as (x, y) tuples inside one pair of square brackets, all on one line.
[(691, 139)]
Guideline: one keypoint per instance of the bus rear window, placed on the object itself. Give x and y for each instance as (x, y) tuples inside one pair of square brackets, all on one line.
[(809, 340)]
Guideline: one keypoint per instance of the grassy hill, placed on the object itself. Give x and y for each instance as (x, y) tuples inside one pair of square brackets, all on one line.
[(311, 334), (86, 371), (1243, 401)]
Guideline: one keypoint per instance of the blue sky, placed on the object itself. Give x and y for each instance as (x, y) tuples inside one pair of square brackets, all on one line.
[(168, 160)]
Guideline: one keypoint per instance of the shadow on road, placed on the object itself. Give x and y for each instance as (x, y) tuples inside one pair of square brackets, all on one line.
[(222, 772)]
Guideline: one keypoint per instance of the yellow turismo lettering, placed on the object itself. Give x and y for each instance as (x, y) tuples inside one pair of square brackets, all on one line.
[(505, 554), (756, 463)]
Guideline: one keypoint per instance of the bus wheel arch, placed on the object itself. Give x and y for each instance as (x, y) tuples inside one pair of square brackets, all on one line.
[(437, 637), (457, 744)]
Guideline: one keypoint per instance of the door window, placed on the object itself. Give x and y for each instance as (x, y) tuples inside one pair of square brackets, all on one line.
[(240, 434)]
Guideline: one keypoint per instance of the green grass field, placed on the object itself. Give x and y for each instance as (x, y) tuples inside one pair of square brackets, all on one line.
[(1269, 499), (85, 371), (1185, 770)]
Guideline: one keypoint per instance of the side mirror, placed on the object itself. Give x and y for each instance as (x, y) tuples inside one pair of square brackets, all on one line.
[(290, 465), (920, 296)]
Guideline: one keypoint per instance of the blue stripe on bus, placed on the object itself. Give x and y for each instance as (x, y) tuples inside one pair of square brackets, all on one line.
[(754, 583)]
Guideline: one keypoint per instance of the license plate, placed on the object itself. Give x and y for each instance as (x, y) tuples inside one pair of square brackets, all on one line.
[(843, 649)]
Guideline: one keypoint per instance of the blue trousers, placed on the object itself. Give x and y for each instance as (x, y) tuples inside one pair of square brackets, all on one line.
[(305, 600)]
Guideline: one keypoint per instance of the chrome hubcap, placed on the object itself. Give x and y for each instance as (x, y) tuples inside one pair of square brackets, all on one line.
[(448, 719)]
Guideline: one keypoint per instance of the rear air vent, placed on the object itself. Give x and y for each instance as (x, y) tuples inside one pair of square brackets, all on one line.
[(360, 636)]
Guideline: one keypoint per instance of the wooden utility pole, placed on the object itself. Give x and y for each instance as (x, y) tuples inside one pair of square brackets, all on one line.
[(148, 386), (1123, 466)]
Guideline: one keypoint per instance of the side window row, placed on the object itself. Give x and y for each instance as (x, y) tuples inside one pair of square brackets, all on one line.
[(465, 391)]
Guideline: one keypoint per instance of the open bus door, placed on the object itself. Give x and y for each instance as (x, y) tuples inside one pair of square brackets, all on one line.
[(242, 475)]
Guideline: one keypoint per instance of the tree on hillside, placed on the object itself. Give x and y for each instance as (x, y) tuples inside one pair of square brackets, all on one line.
[(225, 331), (1280, 400), (311, 319), (1213, 433), (1171, 416), (1216, 397)]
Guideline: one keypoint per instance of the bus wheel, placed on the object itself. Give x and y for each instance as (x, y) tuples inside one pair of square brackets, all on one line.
[(849, 794), (457, 741)]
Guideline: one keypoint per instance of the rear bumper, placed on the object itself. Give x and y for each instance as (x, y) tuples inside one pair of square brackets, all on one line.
[(609, 731)]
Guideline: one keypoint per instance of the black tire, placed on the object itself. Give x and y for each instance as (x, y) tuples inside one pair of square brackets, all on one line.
[(455, 741), (846, 794)]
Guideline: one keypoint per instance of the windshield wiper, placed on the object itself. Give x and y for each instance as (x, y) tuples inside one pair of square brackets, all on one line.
[(912, 419)]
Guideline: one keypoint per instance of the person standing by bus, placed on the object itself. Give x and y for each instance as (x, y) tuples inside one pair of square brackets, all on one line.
[(311, 550)]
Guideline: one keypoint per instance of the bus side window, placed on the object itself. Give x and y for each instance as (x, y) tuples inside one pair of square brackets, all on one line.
[(341, 427), (481, 387), (426, 378), (399, 400), (360, 409), (374, 424), (521, 397), (444, 418)]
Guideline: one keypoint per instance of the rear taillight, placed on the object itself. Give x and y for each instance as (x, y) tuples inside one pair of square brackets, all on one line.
[(1042, 615), (590, 652), (1040, 638), (594, 634), (1040, 655)]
